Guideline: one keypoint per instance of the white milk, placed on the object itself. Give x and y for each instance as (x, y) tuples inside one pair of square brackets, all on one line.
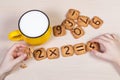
[(33, 23)]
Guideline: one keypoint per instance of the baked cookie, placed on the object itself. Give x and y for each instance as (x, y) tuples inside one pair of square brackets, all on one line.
[(23, 65), (68, 24), (83, 21), (72, 14), (77, 32), (96, 22), (80, 48), (93, 46), (67, 50), (59, 30), (39, 54), (29, 52), (53, 53)]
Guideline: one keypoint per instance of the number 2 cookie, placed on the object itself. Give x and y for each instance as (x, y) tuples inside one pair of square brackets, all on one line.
[(67, 50)]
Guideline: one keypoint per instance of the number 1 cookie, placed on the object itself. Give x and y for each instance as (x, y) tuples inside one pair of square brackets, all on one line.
[(29, 52), (72, 14)]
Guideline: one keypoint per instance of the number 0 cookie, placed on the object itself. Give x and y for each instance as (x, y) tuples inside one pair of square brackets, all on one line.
[(77, 32)]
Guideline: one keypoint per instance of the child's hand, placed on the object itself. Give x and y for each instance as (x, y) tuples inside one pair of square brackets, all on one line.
[(110, 47), (12, 58)]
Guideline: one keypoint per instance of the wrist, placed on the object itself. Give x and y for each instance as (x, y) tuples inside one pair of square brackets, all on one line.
[(2, 72), (117, 62)]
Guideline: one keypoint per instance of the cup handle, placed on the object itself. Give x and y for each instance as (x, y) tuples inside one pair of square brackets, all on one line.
[(15, 35)]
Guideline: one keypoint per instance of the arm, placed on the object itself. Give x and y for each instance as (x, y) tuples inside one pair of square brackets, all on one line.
[(2, 74), (109, 48), (14, 56)]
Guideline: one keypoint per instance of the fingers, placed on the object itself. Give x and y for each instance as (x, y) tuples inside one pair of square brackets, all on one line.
[(99, 40), (109, 36), (15, 47), (103, 39), (115, 37), (99, 54), (19, 59), (106, 37)]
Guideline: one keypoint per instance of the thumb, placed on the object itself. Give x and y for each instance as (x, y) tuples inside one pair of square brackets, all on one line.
[(19, 59), (97, 53)]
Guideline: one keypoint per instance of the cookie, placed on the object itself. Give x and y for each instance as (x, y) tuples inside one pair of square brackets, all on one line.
[(59, 30), (72, 14), (23, 65), (96, 22), (80, 48), (29, 52), (67, 50), (68, 24), (39, 54), (83, 21), (77, 32), (53, 53), (93, 46)]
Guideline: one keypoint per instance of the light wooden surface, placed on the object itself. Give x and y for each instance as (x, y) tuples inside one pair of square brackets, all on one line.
[(83, 67)]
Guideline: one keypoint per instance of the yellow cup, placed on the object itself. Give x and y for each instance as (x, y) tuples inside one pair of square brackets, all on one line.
[(34, 28)]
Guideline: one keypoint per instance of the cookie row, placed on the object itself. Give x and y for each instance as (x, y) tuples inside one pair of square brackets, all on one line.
[(53, 53), (66, 51), (74, 22)]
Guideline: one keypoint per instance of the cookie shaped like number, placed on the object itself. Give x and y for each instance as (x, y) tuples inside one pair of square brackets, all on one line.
[(96, 22), (39, 54), (77, 32), (67, 51), (29, 52), (53, 53), (68, 24), (93, 46), (72, 14), (83, 21), (80, 48), (59, 30)]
